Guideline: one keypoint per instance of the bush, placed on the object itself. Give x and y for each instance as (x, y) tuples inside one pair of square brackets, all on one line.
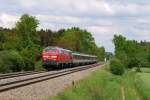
[(116, 67), (30, 56), (10, 61), (38, 65), (3, 68)]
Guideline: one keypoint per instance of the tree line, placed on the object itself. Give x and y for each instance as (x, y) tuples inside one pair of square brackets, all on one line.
[(131, 53), (21, 46)]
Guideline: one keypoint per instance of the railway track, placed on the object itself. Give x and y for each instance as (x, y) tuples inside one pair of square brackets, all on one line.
[(23, 82), (18, 74)]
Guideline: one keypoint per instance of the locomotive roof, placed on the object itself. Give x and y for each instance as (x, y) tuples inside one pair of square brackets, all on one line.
[(65, 49), (74, 53), (59, 48), (82, 54)]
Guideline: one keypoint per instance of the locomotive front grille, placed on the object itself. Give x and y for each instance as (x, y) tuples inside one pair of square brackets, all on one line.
[(50, 62)]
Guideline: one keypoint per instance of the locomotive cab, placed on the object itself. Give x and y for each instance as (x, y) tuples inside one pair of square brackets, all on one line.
[(50, 56), (58, 57)]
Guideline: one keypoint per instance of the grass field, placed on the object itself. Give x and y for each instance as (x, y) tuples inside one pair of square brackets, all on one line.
[(102, 85), (143, 85), (145, 70), (130, 91)]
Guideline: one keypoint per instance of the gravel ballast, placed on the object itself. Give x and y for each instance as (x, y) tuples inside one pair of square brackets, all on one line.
[(41, 90)]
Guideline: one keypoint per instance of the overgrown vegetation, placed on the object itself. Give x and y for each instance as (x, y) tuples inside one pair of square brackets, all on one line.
[(99, 86), (102, 85), (142, 84), (145, 70), (11, 61), (131, 53), (116, 67), (24, 43), (128, 85)]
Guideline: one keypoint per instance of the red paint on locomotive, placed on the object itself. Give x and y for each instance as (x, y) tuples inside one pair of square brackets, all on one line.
[(56, 56)]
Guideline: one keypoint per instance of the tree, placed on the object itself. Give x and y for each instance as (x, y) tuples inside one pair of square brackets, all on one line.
[(101, 53), (78, 40), (46, 37), (30, 55), (2, 38), (26, 28), (116, 67), (130, 52), (108, 55), (120, 43), (10, 61)]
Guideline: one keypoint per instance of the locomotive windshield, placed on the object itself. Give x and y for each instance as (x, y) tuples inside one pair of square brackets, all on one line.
[(50, 49)]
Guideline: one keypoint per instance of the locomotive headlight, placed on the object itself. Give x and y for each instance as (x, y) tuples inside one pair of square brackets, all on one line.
[(54, 57), (46, 56)]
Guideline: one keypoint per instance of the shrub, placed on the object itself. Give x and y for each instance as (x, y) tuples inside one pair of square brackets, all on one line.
[(38, 65), (3, 68), (30, 56), (138, 69), (116, 67), (10, 61)]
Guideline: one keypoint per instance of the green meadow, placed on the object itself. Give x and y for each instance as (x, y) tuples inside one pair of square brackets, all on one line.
[(102, 85), (143, 84)]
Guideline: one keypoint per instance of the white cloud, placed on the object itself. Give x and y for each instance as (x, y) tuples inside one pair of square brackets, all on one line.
[(54, 18), (7, 20), (95, 6), (27, 3), (102, 30)]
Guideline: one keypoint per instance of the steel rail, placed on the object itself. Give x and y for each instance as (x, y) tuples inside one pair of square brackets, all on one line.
[(18, 74), (24, 82)]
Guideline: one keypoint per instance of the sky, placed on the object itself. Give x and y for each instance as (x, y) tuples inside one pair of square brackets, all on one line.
[(103, 18)]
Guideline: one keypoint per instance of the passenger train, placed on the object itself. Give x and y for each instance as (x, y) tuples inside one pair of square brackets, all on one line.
[(59, 57)]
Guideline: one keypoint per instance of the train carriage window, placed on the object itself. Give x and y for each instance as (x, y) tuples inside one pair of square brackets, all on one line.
[(61, 51), (77, 57)]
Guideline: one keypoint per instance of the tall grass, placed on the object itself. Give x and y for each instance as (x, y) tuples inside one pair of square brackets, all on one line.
[(145, 70), (143, 85), (129, 85), (101, 85)]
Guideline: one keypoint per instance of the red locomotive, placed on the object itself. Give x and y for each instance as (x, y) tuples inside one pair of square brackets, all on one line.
[(59, 57)]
